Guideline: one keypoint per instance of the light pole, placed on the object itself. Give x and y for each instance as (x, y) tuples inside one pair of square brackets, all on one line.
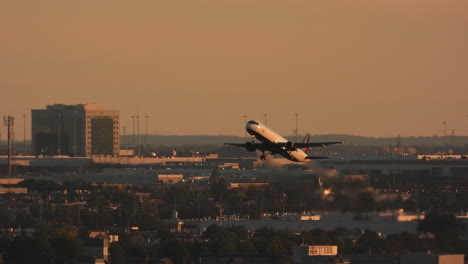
[(9, 123), (59, 129), (138, 131), (296, 114), (445, 135), (74, 133), (265, 119), (24, 134), (146, 136), (133, 132), (245, 131), (124, 140)]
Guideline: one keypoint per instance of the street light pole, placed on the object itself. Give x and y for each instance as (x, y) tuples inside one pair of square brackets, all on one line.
[(245, 131), (146, 136), (445, 136), (24, 134), (133, 132), (59, 129), (296, 114), (138, 131), (9, 123), (74, 133), (124, 140)]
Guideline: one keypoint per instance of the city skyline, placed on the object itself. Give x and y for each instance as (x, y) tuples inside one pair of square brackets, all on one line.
[(366, 68)]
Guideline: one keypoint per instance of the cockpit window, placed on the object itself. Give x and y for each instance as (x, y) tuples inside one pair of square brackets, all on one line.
[(253, 122)]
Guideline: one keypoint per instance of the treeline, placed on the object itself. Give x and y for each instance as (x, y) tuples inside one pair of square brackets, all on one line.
[(80, 202), (439, 233)]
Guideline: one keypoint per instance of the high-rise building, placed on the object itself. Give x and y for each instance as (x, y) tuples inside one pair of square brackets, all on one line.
[(75, 130)]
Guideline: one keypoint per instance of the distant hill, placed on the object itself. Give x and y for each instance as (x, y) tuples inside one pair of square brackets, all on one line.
[(171, 140)]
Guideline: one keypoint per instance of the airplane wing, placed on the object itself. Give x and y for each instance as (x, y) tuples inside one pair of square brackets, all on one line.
[(241, 145), (316, 157), (315, 144), (250, 146)]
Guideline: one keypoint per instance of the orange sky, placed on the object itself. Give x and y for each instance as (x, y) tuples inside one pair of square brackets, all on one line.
[(367, 67)]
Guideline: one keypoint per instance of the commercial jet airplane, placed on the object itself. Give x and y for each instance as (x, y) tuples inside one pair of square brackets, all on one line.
[(273, 143)]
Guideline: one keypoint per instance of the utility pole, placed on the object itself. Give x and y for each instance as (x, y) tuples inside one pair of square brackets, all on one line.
[(9, 122), (198, 205), (59, 129), (146, 136), (24, 134), (283, 198), (265, 119), (220, 208), (74, 133), (296, 114), (245, 131), (41, 211), (133, 136), (138, 131), (399, 153), (124, 141), (445, 136), (261, 208)]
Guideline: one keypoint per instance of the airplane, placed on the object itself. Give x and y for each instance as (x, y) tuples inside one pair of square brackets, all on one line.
[(273, 143)]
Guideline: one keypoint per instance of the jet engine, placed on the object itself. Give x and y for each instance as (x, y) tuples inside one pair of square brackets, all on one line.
[(290, 146), (250, 146)]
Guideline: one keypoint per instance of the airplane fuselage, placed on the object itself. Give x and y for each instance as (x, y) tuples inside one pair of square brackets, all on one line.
[(270, 140)]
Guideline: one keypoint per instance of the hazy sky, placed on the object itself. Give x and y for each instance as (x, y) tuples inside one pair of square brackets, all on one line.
[(362, 67)]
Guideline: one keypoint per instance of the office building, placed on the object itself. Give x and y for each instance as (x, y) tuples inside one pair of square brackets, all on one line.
[(75, 130)]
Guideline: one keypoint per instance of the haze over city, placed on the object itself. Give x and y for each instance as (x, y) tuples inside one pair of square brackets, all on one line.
[(234, 131), (371, 68)]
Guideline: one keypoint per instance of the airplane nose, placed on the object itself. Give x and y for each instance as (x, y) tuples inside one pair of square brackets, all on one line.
[(251, 127)]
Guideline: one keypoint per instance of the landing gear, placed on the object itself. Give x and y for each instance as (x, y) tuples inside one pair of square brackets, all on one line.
[(263, 156)]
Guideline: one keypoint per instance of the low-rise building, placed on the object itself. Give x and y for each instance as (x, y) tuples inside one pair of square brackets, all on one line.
[(432, 259), (317, 254), (170, 178)]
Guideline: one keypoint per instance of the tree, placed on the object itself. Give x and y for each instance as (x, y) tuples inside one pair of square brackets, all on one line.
[(218, 184), (29, 250), (447, 229), (405, 243), (67, 246), (40, 186), (369, 243), (272, 241), (365, 202), (342, 202), (220, 240), (438, 223), (177, 251), (117, 254)]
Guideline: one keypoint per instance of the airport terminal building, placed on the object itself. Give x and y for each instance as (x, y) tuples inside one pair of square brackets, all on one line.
[(82, 130)]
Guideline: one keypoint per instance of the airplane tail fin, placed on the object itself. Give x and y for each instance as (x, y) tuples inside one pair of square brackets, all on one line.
[(306, 140), (306, 149)]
